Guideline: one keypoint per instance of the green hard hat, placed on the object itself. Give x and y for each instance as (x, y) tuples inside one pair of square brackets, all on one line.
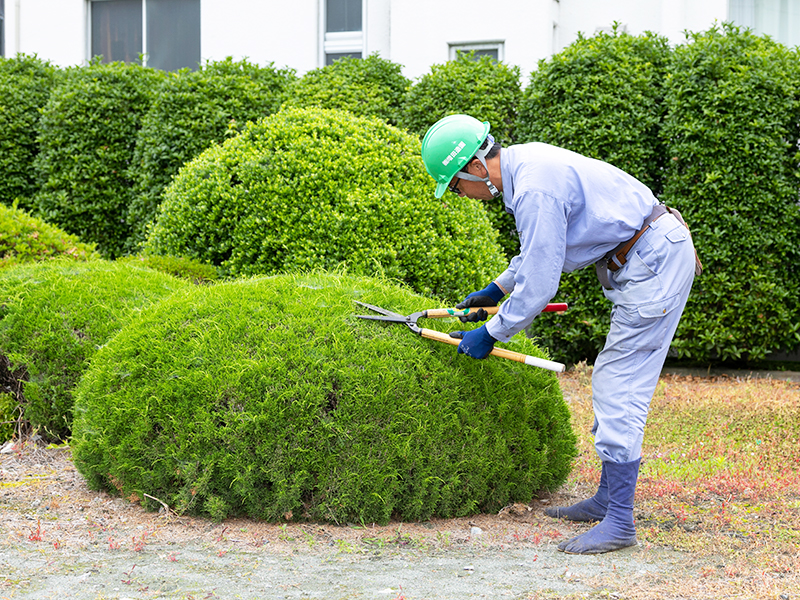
[(449, 145)]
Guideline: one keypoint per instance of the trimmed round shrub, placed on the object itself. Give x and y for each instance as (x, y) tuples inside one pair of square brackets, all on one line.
[(315, 188), (87, 135), (601, 97), (25, 239), (369, 87), (53, 318), (732, 129), (267, 397), (192, 111), (480, 87), (25, 84)]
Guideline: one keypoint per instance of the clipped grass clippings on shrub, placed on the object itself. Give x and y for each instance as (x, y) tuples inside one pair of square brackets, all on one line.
[(315, 188), (55, 315), (267, 397)]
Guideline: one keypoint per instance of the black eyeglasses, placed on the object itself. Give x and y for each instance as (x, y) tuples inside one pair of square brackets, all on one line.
[(453, 185)]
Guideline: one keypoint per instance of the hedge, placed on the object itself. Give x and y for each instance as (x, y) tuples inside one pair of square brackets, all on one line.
[(87, 135), (53, 318), (315, 188), (267, 398), (601, 97), (25, 85), (480, 87), (369, 87), (193, 110), (732, 129)]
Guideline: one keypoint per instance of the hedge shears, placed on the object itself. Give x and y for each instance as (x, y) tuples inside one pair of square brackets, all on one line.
[(436, 313)]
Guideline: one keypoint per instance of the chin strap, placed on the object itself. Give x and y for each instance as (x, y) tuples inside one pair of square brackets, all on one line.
[(481, 156)]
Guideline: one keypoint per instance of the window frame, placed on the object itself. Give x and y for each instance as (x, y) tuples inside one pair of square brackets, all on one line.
[(454, 48), (145, 54), (341, 42)]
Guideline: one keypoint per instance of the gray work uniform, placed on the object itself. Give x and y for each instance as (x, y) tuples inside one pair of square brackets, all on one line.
[(570, 212)]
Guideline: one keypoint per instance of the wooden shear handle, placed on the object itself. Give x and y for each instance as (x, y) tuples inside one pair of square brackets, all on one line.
[(550, 365), (436, 313)]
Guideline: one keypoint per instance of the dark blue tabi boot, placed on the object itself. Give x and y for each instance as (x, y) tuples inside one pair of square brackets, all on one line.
[(591, 509), (616, 530)]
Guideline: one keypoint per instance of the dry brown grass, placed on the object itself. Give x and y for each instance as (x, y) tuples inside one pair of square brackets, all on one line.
[(720, 481)]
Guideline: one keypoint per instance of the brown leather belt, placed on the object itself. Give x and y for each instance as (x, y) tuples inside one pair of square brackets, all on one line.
[(619, 255)]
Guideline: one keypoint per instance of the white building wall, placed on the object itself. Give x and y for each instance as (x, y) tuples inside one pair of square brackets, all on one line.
[(414, 33), (53, 30), (422, 31), (286, 33)]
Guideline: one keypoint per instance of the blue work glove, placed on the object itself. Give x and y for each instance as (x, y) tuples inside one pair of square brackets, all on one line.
[(488, 296), (476, 343)]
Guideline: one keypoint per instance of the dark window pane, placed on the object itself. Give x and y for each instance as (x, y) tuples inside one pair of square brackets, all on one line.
[(173, 34), (329, 58), (117, 30), (343, 15)]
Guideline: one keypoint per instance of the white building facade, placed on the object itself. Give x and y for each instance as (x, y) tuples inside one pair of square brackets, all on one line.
[(306, 34)]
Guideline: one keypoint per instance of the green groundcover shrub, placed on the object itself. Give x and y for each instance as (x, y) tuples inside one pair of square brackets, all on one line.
[(369, 87), (54, 316), (480, 87), (193, 110), (177, 266), (24, 239), (267, 397), (87, 135), (315, 188), (25, 84), (601, 97), (733, 123)]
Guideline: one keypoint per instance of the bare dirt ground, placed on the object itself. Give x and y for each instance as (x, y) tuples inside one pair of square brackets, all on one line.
[(58, 539)]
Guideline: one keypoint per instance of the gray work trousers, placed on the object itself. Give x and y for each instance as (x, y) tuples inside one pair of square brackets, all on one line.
[(649, 294)]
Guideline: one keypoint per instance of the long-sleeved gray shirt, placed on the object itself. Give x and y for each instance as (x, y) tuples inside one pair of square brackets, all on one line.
[(570, 211)]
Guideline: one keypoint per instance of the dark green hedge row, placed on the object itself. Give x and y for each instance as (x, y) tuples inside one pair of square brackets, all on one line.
[(25, 86), (723, 113), (612, 96)]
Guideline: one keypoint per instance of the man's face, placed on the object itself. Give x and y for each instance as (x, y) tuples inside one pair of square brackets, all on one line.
[(477, 190)]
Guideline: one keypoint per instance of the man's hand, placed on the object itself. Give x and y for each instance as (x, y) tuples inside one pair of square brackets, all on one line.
[(476, 343), (489, 296)]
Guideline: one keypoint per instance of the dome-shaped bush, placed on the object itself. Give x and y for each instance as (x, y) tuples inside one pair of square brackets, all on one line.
[(314, 188), (192, 110), (369, 87), (53, 318), (267, 397), (25, 84), (26, 239)]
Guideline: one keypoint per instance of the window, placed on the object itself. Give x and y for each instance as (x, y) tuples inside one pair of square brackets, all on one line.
[(344, 30), (492, 49), (779, 19), (167, 32)]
